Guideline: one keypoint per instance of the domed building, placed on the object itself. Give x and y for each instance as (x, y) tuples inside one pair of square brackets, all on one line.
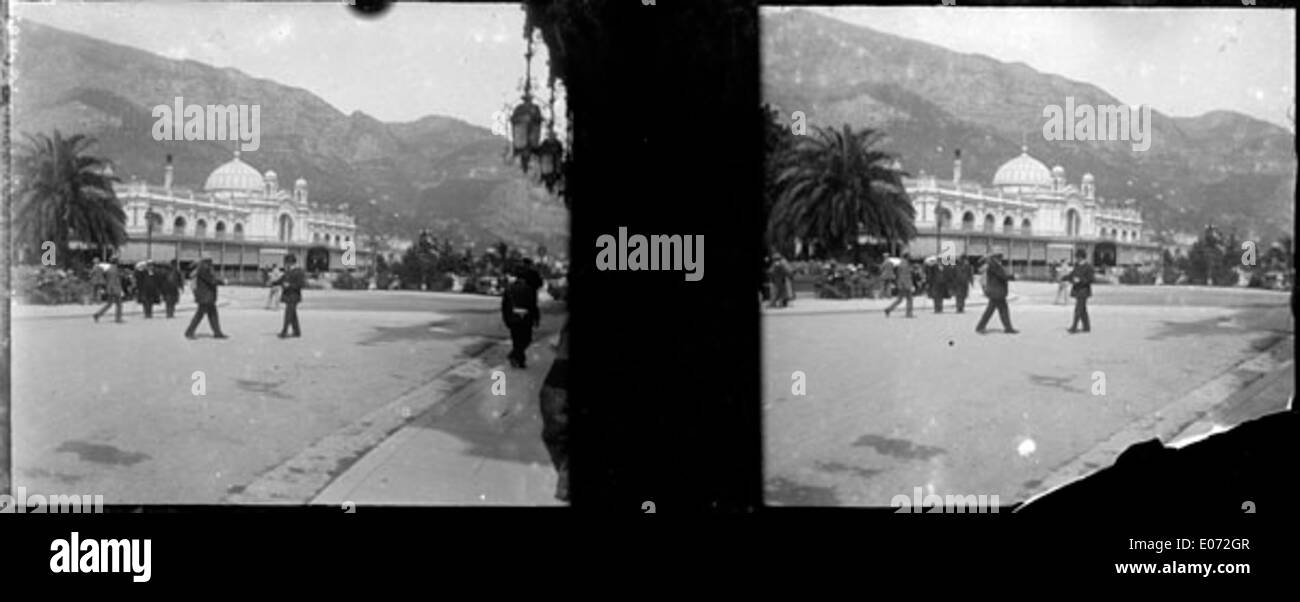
[(1030, 213), (241, 218)]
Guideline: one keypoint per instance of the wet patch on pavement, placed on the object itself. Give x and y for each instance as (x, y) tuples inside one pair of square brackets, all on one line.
[(41, 473), (1208, 326), (101, 454), (839, 467), (899, 448), (1056, 382), (784, 492), (262, 388)]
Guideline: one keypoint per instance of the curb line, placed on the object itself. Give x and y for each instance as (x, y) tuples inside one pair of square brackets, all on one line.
[(1168, 422), (298, 480)]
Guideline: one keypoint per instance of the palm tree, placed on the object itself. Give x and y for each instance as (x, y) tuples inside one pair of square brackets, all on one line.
[(833, 186), (64, 195)]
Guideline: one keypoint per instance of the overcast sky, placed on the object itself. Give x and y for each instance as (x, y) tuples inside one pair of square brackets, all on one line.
[(1180, 62), (417, 59)]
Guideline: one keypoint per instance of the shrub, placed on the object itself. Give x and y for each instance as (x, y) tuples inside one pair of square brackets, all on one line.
[(348, 281), (46, 286)]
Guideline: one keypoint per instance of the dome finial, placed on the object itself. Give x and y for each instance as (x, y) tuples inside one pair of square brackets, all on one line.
[(236, 154), (1024, 149)]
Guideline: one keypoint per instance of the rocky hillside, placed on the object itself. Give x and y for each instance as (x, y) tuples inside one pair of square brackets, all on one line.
[(433, 172), (1222, 167)]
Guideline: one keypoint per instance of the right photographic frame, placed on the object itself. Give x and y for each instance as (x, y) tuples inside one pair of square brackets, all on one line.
[(1003, 245)]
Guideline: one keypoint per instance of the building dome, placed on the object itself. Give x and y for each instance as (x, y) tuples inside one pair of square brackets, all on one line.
[(1023, 171), (1058, 171), (1087, 177), (235, 176)]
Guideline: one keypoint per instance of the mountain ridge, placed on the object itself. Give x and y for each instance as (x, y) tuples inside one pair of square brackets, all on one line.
[(413, 170), (1223, 167)]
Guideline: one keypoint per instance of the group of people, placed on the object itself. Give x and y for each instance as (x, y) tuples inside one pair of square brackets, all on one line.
[(164, 283), (150, 284), (942, 279)]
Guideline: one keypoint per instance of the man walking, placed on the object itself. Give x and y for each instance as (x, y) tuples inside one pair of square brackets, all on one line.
[(205, 294), (148, 287), (170, 286), (936, 277), (1061, 271), (292, 282), (962, 279), (520, 312), (904, 282), (1080, 278), (274, 275), (996, 288), (112, 292)]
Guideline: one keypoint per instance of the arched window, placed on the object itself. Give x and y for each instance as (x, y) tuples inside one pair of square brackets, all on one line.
[(1026, 227), (286, 228), (239, 231), (315, 236), (1008, 225), (221, 229), (968, 221), (200, 229), (944, 217), (178, 226), (154, 221), (1072, 223), (989, 222)]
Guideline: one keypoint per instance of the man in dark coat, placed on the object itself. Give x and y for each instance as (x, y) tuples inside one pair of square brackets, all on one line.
[(1080, 279), (292, 281), (205, 294), (962, 279), (112, 291), (530, 274), (147, 280), (520, 312), (936, 279), (996, 289), (169, 285)]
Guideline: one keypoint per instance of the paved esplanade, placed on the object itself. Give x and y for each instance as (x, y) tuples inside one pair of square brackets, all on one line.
[(111, 408), (893, 404)]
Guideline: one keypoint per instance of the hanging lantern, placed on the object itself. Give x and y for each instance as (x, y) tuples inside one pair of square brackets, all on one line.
[(526, 127), (549, 155)]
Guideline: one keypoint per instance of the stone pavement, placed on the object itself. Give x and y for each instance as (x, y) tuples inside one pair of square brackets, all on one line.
[(891, 404), (474, 448), (112, 408)]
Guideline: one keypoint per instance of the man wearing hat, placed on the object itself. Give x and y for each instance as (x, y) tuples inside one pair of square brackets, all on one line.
[(205, 294), (996, 288), (147, 287), (292, 282), (1080, 281), (112, 291)]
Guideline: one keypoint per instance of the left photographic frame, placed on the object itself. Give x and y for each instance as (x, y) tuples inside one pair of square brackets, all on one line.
[(286, 254)]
